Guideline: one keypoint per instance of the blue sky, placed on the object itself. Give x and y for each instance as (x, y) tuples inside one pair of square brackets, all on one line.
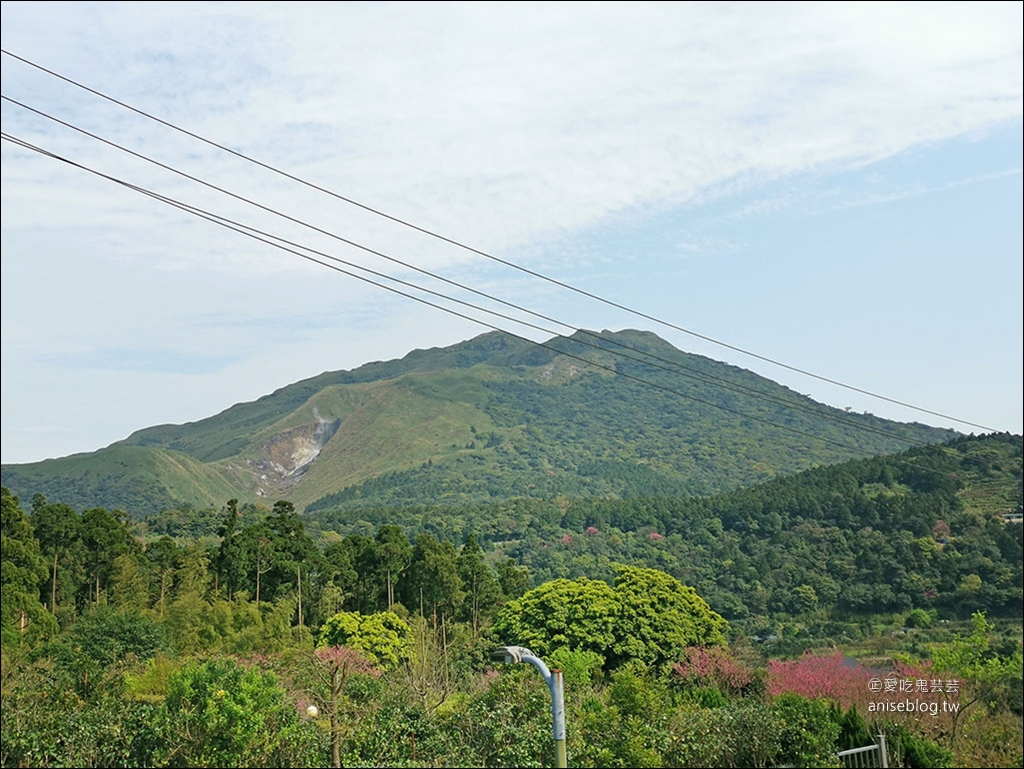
[(833, 186)]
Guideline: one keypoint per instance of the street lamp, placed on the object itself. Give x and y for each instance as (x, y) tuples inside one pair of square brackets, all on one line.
[(553, 678)]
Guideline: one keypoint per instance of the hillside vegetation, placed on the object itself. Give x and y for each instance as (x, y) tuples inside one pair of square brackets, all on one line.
[(496, 417), (678, 623), (923, 529)]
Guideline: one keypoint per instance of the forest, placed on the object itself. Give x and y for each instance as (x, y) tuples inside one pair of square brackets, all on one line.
[(777, 624)]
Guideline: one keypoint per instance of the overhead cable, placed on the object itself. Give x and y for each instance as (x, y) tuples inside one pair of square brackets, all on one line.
[(662, 363), (492, 257), (281, 245)]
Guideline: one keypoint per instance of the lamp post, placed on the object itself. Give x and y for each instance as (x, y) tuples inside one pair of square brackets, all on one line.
[(553, 678)]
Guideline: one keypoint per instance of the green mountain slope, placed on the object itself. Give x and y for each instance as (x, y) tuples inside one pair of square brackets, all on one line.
[(929, 528), (610, 414), (130, 478)]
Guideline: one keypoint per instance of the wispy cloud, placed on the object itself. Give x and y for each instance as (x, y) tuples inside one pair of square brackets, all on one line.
[(139, 360), (879, 198), (557, 135)]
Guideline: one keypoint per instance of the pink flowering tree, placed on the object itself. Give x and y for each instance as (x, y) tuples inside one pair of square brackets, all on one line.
[(713, 666), (830, 676)]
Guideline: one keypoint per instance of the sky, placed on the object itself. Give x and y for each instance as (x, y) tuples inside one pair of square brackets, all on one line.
[(835, 187)]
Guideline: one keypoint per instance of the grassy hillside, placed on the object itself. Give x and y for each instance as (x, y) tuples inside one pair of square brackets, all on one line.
[(615, 414), (138, 480), (229, 433)]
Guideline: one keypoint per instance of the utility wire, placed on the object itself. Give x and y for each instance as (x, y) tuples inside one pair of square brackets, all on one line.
[(279, 243), (670, 365), (479, 252), (676, 366)]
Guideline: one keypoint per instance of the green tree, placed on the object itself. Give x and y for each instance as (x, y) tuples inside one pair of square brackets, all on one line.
[(104, 536), (433, 585), (57, 528), (188, 615), (254, 564), (130, 582), (351, 568), (578, 614), (45, 723), (625, 727), (22, 569), (384, 638), (110, 635), (810, 732), (481, 587), (507, 724), (295, 553), (217, 714), (392, 555), (660, 617), (514, 580), (162, 556), (229, 563), (648, 616), (988, 676)]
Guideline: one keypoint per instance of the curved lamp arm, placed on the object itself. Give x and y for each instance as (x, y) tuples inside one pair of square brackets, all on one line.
[(553, 678)]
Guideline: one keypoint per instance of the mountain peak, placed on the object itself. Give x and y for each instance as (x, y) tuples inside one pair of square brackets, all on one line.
[(494, 416)]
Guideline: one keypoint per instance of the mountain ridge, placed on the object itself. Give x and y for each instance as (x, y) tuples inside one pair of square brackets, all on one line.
[(489, 417)]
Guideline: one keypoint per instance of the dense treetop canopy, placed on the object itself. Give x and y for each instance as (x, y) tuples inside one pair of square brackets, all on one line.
[(646, 616)]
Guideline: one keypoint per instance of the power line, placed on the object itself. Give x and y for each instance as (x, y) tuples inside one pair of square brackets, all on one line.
[(479, 252), (676, 367), (279, 243)]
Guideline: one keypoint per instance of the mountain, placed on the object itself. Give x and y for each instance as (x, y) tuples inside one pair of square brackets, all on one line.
[(495, 417), (935, 528)]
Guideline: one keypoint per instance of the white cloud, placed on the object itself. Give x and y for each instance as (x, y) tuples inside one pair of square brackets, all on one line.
[(518, 128)]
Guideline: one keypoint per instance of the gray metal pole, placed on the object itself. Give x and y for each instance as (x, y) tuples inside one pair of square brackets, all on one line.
[(553, 678), (558, 717), (555, 686)]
